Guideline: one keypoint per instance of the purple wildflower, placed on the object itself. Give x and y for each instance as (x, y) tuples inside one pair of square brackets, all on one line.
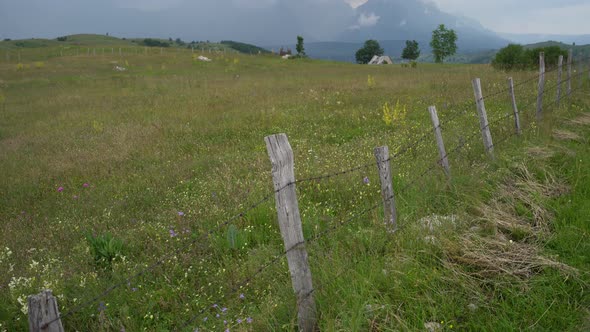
[(224, 322), (134, 289), (60, 189), (180, 213), (242, 296), (223, 310), (249, 320), (173, 233), (366, 180), (226, 330), (215, 306), (101, 307), (75, 197), (85, 185), (239, 321), (217, 315)]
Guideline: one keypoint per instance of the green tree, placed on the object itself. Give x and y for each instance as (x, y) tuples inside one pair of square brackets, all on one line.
[(412, 51), (368, 51), (510, 57), (443, 43), (299, 48)]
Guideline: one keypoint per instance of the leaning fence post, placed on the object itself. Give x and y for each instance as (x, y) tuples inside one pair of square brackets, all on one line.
[(541, 85), (382, 157), (569, 71), (483, 118), (283, 173), (444, 160), (559, 73), (43, 313), (514, 107)]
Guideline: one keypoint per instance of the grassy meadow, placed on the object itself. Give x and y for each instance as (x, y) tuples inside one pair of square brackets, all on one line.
[(151, 158)]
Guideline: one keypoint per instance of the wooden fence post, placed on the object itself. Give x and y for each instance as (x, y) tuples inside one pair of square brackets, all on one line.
[(43, 310), (389, 209), (483, 118), (559, 74), (569, 72), (514, 107), (283, 173), (444, 160), (541, 85)]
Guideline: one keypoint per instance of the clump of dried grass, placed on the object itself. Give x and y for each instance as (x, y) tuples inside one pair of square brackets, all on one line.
[(583, 119), (565, 135), (510, 248)]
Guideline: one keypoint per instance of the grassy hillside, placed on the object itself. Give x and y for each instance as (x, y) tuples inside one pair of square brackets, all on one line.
[(160, 156)]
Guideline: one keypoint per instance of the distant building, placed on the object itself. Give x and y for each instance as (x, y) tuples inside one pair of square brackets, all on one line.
[(381, 60)]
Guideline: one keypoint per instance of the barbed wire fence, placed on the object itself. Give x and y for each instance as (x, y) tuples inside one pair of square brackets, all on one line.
[(49, 319)]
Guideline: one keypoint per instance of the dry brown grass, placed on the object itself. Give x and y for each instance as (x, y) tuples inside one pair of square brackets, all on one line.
[(566, 135), (583, 119), (511, 247)]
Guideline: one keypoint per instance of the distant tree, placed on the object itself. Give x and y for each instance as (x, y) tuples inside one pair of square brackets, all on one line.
[(107, 34), (443, 43), (7, 39), (510, 57), (179, 41), (64, 38), (412, 51), (299, 48), (515, 56), (368, 51), (169, 39)]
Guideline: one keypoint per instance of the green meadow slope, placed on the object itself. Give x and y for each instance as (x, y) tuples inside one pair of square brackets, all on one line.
[(108, 172)]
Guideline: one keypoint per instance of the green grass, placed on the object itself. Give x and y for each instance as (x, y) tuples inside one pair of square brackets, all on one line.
[(172, 134)]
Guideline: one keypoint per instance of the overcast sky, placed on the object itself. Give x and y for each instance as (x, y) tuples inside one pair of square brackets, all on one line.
[(521, 16), (50, 18)]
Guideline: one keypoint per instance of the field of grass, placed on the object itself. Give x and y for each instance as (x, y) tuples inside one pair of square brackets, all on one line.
[(172, 147)]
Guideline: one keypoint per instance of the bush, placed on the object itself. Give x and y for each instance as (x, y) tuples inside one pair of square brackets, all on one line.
[(413, 64), (155, 43), (516, 57), (64, 38)]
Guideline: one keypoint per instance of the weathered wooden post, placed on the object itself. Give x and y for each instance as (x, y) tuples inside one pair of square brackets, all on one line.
[(483, 118), (283, 173), (444, 160), (514, 107), (559, 74), (541, 87), (43, 313), (569, 71), (119, 51), (383, 165)]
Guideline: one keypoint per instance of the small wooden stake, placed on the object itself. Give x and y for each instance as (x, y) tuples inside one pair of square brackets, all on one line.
[(559, 74), (514, 107), (382, 157), (569, 72), (43, 313), (283, 173), (483, 118), (541, 87), (444, 160)]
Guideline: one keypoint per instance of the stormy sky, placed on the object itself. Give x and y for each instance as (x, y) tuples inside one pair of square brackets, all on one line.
[(263, 21)]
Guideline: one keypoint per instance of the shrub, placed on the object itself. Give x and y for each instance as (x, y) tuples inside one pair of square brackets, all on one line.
[(63, 38), (516, 57), (413, 64), (368, 51), (155, 43)]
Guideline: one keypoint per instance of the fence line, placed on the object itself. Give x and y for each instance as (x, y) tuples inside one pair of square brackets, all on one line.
[(279, 189)]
